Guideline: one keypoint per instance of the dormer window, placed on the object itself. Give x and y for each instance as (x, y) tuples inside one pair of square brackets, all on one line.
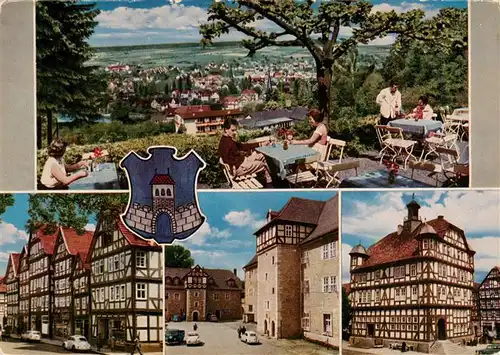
[(176, 281)]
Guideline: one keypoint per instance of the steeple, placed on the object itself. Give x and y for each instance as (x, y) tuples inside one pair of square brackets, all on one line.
[(412, 221)]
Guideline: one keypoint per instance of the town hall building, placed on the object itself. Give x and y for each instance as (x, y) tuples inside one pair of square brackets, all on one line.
[(414, 285)]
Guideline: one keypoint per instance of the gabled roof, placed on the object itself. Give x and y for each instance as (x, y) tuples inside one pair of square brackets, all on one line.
[(328, 221), (394, 247), (132, 239), (162, 179), (48, 241), (14, 262), (298, 210), (347, 287), (77, 244), (219, 276), (252, 262), (495, 268)]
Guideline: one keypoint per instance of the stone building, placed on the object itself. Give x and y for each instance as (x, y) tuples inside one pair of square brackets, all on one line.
[(413, 285), (489, 303), (291, 283), (198, 293)]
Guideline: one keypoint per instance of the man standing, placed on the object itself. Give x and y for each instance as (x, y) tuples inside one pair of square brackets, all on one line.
[(137, 346), (240, 157), (389, 100)]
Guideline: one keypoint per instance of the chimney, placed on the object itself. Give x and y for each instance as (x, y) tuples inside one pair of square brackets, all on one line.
[(400, 229), (440, 217), (234, 272)]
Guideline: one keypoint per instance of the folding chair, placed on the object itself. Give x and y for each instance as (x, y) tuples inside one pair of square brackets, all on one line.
[(450, 166), (391, 140), (432, 168), (331, 168), (239, 182), (446, 140)]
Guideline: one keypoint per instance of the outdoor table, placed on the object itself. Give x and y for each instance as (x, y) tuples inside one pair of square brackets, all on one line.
[(416, 127), (281, 157), (106, 178), (463, 118), (380, 179)]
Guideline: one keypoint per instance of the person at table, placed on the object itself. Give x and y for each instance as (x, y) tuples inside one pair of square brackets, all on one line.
[(319, 138), (241, 157), (423, 111), (54, 175), (389, 100)]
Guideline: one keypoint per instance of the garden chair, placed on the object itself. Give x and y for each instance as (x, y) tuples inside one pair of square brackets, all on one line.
[(302, 177), (392, 142), (450, 166), (329, 169), (239, 182), (432, 168), (445, 139), (261, 140)]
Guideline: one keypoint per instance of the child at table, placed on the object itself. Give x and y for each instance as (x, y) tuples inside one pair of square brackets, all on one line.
[(423, 111), (54, 175), (319, 138)]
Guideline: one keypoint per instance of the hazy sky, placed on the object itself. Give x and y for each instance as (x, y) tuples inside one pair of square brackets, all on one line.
[(157, 21), (369, 216)]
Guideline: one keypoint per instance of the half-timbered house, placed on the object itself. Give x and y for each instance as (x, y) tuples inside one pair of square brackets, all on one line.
[(414, 285), (3, 302), (40, 252), (296, 271), (12, 294), (199, 293), (69, 248), (24, 289), (80, 279), (489, 302), (126, 285)]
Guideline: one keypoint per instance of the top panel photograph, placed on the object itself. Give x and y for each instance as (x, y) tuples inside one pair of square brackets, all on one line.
[(266, 94)]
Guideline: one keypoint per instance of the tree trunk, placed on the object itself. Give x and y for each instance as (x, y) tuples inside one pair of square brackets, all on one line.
[(49, 127), (324, 71), (39, 138)]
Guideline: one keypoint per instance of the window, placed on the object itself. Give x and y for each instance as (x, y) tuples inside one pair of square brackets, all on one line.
[(216, 296), (377, 296), (196, 294), (399, 271), (250, 308), (266, 276), (326, 284), (413, 270), (101, 296), (122, 292), (176, 296), (377, 275), (141, 291), (288, 231), (306, 321), (112, 297), (273, 290), (325, 253), (116, 263), (266, 305), (122, 261), (141, 259), (414, 290), (327, 323), (196, 304), (273, 260), (226, 296), (426, 243)]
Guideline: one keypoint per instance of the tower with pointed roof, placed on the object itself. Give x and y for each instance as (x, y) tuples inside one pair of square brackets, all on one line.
[(163, 192), (413, 285)]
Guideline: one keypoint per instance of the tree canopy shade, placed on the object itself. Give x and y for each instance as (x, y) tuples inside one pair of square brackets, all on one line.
[(65, 84), (71, 210), (6, 200), (346, 310), (318, 29), (178, 256)]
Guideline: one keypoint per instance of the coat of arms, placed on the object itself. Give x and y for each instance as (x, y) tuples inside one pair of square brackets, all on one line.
[(163, 204)]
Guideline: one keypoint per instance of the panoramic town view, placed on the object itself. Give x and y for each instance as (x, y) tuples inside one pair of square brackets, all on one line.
[(259, 277), (380, 102), (420, 275), (75, 279)]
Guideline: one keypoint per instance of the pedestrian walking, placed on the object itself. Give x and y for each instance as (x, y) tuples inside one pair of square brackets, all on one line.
[(243, 330), (239, 332), (137, 346), (195, 327)]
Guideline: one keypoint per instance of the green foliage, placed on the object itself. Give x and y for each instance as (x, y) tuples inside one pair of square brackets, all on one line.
[(346, 310), (178, 256), (71, 210), (100, 133), (6, 200), (205, 146)]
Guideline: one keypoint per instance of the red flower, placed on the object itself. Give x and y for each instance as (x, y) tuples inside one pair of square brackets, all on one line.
[(97, 152)]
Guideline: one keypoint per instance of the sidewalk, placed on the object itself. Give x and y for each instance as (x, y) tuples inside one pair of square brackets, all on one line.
[(94, 350)]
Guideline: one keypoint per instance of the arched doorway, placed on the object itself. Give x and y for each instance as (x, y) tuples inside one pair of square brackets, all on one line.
[(441, 329), (195, 316), (163, 225), (217, 314), (272, 329), (265, 326)]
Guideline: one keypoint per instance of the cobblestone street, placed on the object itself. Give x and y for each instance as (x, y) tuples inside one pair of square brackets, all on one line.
[(222, 339)]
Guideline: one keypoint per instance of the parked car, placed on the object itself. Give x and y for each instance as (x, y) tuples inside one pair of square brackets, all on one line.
[(174, 336), (489, 350), (31, 335), (213, 318), (76, 342), (250, 338), (193, 338)]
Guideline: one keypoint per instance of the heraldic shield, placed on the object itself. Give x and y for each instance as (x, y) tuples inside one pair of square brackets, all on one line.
[(163, 204)]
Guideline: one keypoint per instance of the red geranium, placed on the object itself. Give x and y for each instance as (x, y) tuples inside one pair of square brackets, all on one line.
[(97, 152)]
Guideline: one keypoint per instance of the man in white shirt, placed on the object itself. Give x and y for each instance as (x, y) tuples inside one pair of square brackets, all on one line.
[(389, 100)]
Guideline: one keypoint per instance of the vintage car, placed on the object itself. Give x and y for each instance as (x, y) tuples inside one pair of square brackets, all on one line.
[(489, 350), (250, 337), (174, 336), (193, 338)]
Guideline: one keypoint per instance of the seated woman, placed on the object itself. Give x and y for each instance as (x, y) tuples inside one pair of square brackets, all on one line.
[(423, 111), (54, 175), (319, 138)]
